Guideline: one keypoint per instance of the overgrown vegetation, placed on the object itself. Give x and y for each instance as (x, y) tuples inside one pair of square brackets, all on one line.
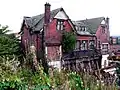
[(13, 76), (68, 41), (9, 44)]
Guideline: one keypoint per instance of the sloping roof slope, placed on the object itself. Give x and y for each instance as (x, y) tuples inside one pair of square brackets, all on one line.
[(92, 24), (36, 22)]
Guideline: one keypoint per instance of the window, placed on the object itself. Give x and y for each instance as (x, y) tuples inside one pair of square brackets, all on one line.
[(77, 45), (60, 25), (77, 28), (114, 41), (85, 29), (91, 44), (105, 63), (118, 40), (111, 41), (105, 48), (82, 28), (84, 45)]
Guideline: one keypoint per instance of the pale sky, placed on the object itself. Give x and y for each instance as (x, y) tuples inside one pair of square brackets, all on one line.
[(13, 11)]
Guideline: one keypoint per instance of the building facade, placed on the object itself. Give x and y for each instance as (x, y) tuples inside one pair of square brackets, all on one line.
[(99, 27), (45, 30), (115, 44)]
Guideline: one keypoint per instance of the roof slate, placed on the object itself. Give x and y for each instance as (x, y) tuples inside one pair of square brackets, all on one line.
[(79, 24), (36, 22), (92, 24)]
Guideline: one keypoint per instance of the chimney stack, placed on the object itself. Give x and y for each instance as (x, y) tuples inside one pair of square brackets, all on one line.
[(107, 22), (47, 13)]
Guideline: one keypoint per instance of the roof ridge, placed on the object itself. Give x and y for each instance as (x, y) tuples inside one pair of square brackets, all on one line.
[(91, 18)]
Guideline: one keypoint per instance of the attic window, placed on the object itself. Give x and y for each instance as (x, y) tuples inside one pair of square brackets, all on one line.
[(76, 27), (83, 28), (60, 24)]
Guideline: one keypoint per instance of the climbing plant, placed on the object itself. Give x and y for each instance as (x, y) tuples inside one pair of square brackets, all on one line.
[(68, 41)]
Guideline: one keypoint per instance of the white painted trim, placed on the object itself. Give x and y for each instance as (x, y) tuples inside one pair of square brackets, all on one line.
[(61, 15), (103, 22), (105, 43), (46, 52), (60, 48)]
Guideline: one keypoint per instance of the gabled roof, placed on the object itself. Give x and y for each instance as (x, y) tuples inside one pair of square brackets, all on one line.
[(36, 22), (92, 24)]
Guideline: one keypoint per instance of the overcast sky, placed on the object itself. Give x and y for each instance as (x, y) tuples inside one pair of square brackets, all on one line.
[(12, 11)]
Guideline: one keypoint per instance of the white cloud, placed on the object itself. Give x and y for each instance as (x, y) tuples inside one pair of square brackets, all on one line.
[(12, 11)]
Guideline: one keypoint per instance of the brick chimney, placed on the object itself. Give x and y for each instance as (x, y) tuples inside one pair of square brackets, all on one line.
[(107, 22), (47, 13)]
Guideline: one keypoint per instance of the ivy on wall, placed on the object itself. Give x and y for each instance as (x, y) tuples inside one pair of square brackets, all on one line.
[(68, 41)]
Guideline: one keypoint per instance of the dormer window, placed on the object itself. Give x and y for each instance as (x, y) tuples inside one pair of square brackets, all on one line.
[(85, 28), (77, 28), (82, 28), (60, 24)]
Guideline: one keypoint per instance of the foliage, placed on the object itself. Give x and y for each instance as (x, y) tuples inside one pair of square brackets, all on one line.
[(68, 41), (26, 79), (9, 45), (4, 30), (13, 77), (76, 82)]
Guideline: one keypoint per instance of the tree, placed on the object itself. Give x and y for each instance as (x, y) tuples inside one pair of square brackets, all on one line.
[(3, 30), (68, 41), (9, 44)]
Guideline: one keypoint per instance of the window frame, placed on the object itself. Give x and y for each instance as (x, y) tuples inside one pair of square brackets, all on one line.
[(84, 46), (60, 25)]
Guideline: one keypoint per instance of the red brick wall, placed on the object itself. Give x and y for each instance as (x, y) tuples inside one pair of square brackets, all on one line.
[(52, 32), (25, 38), (28, 39), (103, 37)]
